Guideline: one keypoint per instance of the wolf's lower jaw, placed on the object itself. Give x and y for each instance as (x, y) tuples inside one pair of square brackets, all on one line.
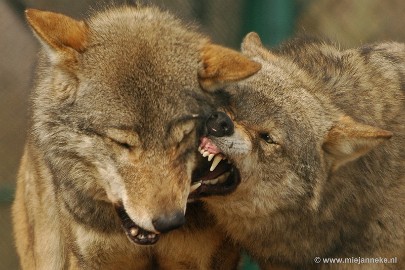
[(135, 233), (219, 178)]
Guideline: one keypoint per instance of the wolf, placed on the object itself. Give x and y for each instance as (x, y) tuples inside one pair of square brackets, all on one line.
[(118, 102), (308, 161)]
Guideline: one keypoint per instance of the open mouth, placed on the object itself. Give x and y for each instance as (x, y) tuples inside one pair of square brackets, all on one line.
[(215, 173), (135, 233)]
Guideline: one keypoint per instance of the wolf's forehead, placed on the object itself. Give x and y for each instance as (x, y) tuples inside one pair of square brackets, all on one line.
[(261, 105), (143, 41)]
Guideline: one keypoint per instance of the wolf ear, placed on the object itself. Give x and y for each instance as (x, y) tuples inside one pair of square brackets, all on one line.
[(221, 66), (62, 35), (252, 46), (348, 140)]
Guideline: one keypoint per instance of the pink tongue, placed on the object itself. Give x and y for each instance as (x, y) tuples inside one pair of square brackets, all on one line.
[(207, 145)]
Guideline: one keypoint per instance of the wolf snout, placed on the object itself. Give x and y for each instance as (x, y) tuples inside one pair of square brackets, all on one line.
[(219, 125), (168, 222)]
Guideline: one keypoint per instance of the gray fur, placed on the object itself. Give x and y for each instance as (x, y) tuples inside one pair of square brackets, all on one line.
[(116, 109), (298, 199)]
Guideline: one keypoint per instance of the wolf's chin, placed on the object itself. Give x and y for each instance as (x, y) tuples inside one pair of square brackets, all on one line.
[(220, 177), (135, 233)]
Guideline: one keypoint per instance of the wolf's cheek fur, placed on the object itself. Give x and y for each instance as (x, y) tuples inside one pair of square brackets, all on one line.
[(280, 186)]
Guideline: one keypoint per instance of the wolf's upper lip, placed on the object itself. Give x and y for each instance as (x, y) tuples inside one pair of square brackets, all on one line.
[(219, 178), (208, 149), (135, 233), (208, 146)]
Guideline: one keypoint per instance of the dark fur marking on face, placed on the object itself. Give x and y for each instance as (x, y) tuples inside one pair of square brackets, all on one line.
[(208, 103), (85, 210)]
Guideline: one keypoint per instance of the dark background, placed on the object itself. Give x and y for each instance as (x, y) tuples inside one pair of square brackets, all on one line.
[(348, 22)]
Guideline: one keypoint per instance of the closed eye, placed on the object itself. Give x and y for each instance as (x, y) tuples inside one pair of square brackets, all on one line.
[(122, 144), (124, 138)]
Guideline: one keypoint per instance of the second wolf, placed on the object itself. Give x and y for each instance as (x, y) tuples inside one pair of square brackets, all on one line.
[(316, 142)]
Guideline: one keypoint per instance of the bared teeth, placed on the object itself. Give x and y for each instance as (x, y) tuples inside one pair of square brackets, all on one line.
[(211, 182), (215, 163), (219, 180), (133, 231), (216, 158), (194, 187), (223, 178)]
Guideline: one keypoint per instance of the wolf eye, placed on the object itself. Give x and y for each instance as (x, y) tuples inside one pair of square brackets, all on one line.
[(266, 137)]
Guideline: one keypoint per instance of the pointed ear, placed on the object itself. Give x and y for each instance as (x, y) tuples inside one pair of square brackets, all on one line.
[(62, 34), (252, 46), (221, 66), (348, 140)]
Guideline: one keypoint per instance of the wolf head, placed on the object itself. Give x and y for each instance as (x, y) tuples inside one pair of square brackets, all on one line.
[(117, 107), (274, 148)]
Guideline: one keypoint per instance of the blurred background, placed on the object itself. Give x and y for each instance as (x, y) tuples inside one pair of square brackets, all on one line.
[(347, 22)]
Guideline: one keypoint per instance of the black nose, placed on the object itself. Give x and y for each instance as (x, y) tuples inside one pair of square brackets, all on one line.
[(219, 125), (168, 222)]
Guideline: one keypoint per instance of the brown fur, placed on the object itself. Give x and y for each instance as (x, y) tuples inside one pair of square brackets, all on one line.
[(319, 140), (115, 115)]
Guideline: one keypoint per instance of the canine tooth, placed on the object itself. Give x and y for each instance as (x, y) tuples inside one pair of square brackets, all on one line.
[(210, 157), (206, 154), (195, 186), (133, 231), (199, 148), (216, 161)]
